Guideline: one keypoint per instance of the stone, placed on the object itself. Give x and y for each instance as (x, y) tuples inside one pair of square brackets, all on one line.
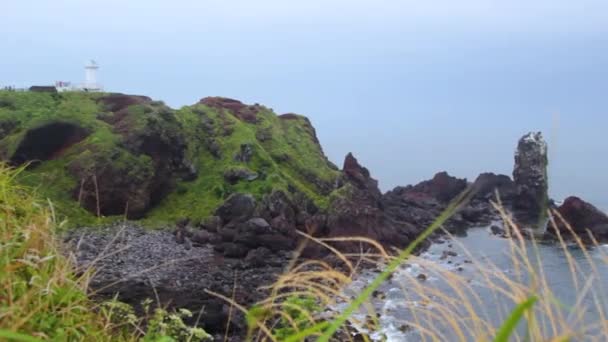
[(211, 223), (487, 184), (496, 230), (258, 224), (202, 237), (530, 177), (581, 215), (238, 207), (258, 257), (234, 176), (232, 250)]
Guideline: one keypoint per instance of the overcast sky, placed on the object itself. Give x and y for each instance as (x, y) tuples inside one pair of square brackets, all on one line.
[(410, 87)]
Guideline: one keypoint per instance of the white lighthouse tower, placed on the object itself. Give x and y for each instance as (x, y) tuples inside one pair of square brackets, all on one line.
[(90, 77)]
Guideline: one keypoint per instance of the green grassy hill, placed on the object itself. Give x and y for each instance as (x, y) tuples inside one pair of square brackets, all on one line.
[(99, 156)]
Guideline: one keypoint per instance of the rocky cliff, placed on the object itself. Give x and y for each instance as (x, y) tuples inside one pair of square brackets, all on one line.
[(114, 155), (235, 183)]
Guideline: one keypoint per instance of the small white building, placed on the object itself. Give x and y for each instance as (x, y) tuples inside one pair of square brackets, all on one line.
[(90, 77)]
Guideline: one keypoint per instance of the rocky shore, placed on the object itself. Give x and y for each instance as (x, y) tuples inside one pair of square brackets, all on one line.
[(233, 186), (247, 243)]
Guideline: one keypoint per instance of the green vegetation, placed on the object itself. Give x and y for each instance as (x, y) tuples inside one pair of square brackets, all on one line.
[(141, 141), (43, 298)]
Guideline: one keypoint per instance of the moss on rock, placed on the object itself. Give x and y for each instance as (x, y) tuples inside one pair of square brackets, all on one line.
[(153, 162)]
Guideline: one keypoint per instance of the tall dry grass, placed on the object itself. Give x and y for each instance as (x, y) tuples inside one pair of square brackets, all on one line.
[(40, 294), (515, 304), (44, 296)]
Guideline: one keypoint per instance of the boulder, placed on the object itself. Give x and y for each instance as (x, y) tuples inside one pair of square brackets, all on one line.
[(583, 216), (202, 237), (258, 224), (487, 184), (530, 177), (258, 257), (275, 204), (234, 176), (238, 207), (211, 224)]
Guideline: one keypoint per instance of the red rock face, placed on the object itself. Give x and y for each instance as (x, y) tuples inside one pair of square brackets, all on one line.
[(582, 216), (117, 102), (359, 176), (238, 109)]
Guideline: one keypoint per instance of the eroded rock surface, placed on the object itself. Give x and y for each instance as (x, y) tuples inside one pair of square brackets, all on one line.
[(583, 218), (531, 180)]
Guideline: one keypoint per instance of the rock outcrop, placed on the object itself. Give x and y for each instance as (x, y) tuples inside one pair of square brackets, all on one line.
[(531, 180), (118, 154), (239, 109), (141, 169), (583, 218), (356, 209)]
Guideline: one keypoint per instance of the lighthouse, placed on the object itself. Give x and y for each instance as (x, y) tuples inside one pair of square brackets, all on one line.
[(90, 77)]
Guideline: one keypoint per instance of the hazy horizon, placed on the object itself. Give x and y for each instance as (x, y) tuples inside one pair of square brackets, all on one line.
[(410, 88)]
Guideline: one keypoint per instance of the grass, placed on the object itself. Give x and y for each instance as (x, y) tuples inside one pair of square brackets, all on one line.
[(287, 159), (524, 306), (43, 296), (40, 294)]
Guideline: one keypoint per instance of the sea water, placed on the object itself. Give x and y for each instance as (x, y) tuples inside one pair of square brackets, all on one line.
[(396, 301)]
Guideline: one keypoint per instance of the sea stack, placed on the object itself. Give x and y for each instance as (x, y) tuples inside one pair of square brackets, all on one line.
[(531, 180)]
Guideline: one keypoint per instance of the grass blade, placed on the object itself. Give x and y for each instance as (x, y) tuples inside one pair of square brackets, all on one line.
[(509, 325), (13, 336)]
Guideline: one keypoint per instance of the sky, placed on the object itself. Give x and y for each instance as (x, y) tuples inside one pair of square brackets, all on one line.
[(410, 87)]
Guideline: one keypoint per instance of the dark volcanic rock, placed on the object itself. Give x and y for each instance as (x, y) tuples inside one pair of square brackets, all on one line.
[(139, 264), (211, 224), (358, 211), (109, 187), (487, 184), (238, 207), (360, 176), (421, 204), (530, 176), (442, 187), (234, 176), (272, 224), (582, 216)]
